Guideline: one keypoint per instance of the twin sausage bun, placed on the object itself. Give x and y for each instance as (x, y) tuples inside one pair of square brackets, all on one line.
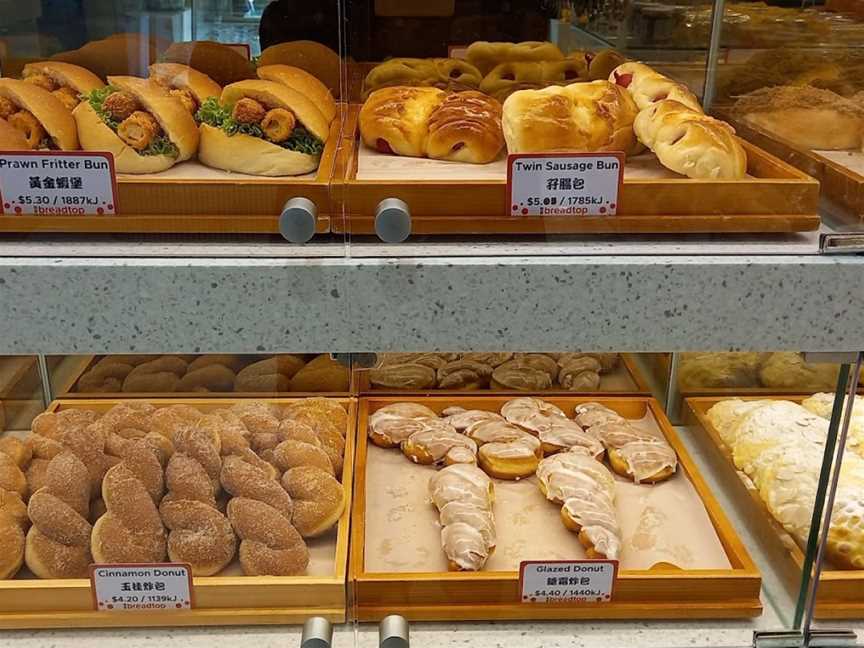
[(672, 124), (43, 119), (427, 122), (264, 128), (145, 128), (596, 116)]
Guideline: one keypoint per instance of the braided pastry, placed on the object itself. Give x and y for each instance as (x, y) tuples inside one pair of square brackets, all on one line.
[(585, 489), (318, 499), (691, 143), (426, 122), (520, 377), (13, 512), (463, 495), (260, 513), (199, 535), (464, 374), (506, 78), (403, 376), (595, 116), (58, 543), (106, 377), (160, 375), (450, 74), (234, 438), (648, 87), (580, 373), (272, 375), (327, 424), (167, 421), (193, 473), (486, 55), (131, 530), (505, 451)]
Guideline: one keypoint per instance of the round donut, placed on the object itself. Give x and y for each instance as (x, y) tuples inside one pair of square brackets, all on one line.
[(439, 444), (319, 499), (506, 451)]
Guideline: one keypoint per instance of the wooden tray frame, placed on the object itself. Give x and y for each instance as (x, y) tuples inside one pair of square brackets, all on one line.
[(628, 363), (841, 592), (59, 603), (243, 205), (640, 594), (67, 392), (840, 184), (783, 200)]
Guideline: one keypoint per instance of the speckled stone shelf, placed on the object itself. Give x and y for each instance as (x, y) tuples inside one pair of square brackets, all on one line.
[(58, 304)]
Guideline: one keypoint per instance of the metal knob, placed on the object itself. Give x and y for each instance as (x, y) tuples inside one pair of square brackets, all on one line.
[(393, 632), (317, 633), (297, 220), (393, 220)]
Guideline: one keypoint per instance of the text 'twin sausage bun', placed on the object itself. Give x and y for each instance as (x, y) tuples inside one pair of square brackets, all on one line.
[(65, 81), (190, 86), (262, 128), (146, 129), (40, 116), (304, 83)]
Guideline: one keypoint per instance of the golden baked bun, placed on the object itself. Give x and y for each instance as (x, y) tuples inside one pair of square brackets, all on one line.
[(119, 54), (485, 55), (304, 83), (318, 60), (507, 78), (807, 117), (396, 120), (54, 119), (321, 374), (219, 62), (173, 119), (11, 139), (601, 64), (691, 143), (444, 73), (466, 127), (176, 76), (64, 75), (255, 155), (649, 86), (596, 116)]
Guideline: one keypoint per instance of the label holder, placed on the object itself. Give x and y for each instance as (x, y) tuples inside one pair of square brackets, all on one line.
[(183, 605), (556, 572)]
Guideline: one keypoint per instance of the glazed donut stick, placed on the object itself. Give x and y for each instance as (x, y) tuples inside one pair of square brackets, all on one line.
[(641, 456), (463, 495), (58, 543)]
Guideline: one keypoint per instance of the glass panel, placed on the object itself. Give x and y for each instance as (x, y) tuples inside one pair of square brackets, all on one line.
[(20, 392)]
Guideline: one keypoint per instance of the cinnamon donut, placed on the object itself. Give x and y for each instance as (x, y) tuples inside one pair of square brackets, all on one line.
[(167, 421), (318, 498), (193, 473), (291, 454), (200, 535), (269, 544), (13, 527)]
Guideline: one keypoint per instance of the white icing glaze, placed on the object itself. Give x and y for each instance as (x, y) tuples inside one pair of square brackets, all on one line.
[(567, 434), (464, 545), (530, 413), (647, 458), (587, 415), (437, 441), (598, 522), (464, 419)]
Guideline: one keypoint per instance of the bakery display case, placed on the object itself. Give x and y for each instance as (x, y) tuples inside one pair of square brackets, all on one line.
[(183, 125)]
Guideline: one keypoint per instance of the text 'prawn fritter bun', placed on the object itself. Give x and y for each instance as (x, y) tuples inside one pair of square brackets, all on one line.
[(39, 116), (262, 128), (304, 83), (190, 86), (120, 54), (65, 81), (221, 63), (139, 123), (318, 60)]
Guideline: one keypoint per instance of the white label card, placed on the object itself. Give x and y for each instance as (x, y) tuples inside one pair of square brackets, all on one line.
[(135, 588), (564, 184), (57, 183), (567, 581)]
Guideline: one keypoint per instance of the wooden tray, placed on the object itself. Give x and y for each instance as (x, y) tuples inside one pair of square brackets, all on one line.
[(639, 594), (220, 600), (841, 185), (780, 198), (841, 591), (626, 370), (68, 389), (221, 203)]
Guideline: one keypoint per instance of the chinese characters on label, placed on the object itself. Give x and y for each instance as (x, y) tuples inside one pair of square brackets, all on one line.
[(129, 588), (578, 581), (561, 184), (57, 183)]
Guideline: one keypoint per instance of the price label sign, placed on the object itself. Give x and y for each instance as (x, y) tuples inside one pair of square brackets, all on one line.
[(567, 581), (57, 183), (139, 587), (564, 184)]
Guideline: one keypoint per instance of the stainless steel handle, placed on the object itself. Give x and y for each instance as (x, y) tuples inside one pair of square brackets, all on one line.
[(393, 220), (317, 633), (297, 220), (393, 632)]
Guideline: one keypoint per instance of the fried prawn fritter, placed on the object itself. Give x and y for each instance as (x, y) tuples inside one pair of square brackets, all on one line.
[(278, 124), (26, 122), (138, 130), (248, 111), (120, 105), (186, 98), (67, 96), (43, 81)]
